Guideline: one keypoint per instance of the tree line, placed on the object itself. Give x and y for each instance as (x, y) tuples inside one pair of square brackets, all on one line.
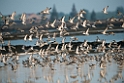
[(89, 15)]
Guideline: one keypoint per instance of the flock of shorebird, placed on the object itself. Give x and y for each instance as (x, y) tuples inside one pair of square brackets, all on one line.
[(66, 53)]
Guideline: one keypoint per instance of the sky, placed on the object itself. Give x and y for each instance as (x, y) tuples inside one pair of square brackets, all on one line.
[(65, 6)]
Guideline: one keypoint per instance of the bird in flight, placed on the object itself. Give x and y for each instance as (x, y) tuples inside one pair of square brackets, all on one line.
[(105, 10), (46, 11)]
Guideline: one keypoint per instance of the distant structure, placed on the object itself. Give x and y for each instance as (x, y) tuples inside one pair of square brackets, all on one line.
[(54, 14), (74, 11), (93, 16)]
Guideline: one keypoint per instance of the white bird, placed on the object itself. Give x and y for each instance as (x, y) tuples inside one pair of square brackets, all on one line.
[(56, 49), (122, 25), (23, 18), (30, 37), (84, 23), (58, 81), (63, 19), (63, 39), (30, 57), (54, 36), (73, 38), (41, 37), (13, 16), (77, 24), (61, 27), (64, 26), (9, 43), (46, 11), (80, 14), (103, 43), (53, 24), (86, 32), (98, 39), (77, 50), (71, 20), (47, 24), (25, 38), (105, 10), (104, 32), (85, 43), (4, 59), (1, 38)]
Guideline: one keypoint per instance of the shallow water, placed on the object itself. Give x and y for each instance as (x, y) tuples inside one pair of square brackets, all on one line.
[(62, 72), (90, 38)]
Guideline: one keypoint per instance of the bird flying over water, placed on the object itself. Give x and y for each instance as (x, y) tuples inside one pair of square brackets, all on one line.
[(86, 32), (104, 32)]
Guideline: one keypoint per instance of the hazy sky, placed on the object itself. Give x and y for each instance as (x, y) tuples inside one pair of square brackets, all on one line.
[(35, 6)]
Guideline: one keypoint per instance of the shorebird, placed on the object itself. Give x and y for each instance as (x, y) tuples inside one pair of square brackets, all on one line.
[(60, 28), (85, 43), (8, 20), (23, 18), (104, 32), (73, 38), (93, 25), (84, 23), (41, 37), (119, 13), (122, 25), (63, 39), (3, 17), (86, 32), (8, 23), (71, 20), (12, 17), (25, 38), (63, 19), (56, 49), (77, 50), (75, 27), (54, 36), (64, 26), (80, 14), (105, 10), (47, 24), (53, 24), (30, 37), (46, 11), (70, 46), (4, 60), (63, 47), (1, 38), (98, 39), (61, 33)]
